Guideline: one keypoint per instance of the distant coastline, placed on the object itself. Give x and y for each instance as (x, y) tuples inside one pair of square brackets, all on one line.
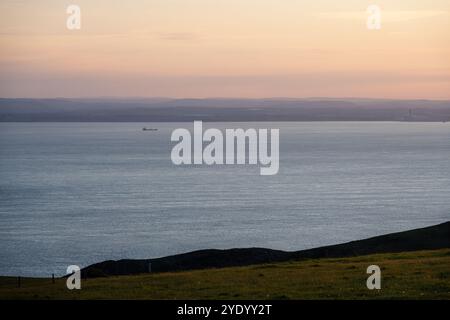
[(221, 110)]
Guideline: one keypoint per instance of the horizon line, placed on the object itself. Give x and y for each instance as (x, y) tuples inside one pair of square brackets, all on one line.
[(219, 98)]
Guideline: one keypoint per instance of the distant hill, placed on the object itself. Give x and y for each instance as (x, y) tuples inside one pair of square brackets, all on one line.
[(179, 110), (434, 237)]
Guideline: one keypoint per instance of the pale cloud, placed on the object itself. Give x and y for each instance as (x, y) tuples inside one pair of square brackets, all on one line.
[(178, 36), (387, 15)]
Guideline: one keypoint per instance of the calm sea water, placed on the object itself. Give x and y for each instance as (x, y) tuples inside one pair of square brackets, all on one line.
[(80, 193)]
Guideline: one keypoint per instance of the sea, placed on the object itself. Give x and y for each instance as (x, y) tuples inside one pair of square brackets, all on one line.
[(81, 193)]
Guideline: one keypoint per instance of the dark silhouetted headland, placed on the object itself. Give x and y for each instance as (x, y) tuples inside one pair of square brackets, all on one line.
[(429, 238)]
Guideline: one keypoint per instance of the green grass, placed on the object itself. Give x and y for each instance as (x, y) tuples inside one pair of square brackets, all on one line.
[(413, 275)]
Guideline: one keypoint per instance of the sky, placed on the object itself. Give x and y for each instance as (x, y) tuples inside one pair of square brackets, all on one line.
[(225, 48)]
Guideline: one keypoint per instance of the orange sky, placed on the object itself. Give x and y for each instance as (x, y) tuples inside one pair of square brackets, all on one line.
[(225, 48)]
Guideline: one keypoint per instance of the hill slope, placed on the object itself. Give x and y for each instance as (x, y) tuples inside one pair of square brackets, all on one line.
[(434, 237)]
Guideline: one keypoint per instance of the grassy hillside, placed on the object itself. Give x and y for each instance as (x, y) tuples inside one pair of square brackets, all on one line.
[(412, 275)]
